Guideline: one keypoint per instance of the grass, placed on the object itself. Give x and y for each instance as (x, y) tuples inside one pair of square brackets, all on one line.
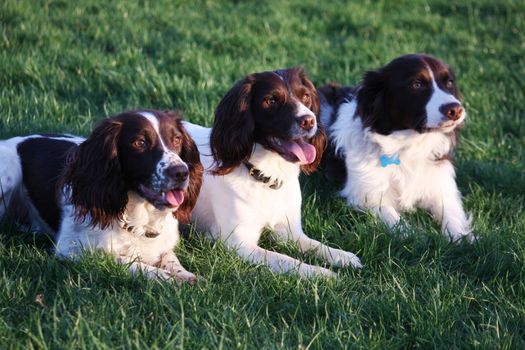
[(65, 64)]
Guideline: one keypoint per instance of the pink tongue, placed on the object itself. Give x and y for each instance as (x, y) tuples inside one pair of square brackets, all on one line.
[(305, 152), (175, 197)]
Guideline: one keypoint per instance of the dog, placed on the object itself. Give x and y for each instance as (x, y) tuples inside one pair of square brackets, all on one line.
[(391, 141), (264, 134), (123, 190)]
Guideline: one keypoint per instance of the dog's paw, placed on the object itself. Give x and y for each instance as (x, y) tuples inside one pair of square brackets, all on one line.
[(184, 276), (170, 263), (469, 237), (181, 276), (461, 233), (315, 271), (388, 215), (157, 274), (341, 258)]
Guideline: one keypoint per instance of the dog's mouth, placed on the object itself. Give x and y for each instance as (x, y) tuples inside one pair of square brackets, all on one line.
[(446, 126), (170, 198), (296, 150)]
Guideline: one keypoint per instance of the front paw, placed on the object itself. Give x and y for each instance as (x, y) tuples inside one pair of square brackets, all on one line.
[(456, 237), (184, 276), (180, 274), (157, 274), (341, 258), (460, 231), (311, 271)]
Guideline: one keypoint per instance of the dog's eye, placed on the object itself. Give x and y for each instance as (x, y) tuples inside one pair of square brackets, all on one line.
[(177, 140), (270, 101), (140, 144), (450, 84), (306, 99), (416, 84)]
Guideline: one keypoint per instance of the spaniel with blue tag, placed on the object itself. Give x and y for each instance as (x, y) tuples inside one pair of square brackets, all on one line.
[(392, 138)]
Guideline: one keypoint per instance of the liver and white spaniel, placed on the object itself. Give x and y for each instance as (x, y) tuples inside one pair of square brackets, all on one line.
[(392, 138), (122, 190), (265, 132)]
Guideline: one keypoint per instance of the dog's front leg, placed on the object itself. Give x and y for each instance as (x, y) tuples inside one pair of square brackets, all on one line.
[(447, 209), (445, 205), (279, 263), (388, 215), (137, 267), (333, 256)]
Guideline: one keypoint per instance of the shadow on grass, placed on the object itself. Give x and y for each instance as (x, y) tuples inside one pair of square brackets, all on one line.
[(504, 178)]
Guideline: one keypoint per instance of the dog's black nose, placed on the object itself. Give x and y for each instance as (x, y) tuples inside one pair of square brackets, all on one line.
[(452, 111), (177, 172), (306, 122)]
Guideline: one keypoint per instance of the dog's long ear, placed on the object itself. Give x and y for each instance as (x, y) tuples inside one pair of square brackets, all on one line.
[(93, 176), (319, 139), (190, 155), (232, 137), (371, 101)]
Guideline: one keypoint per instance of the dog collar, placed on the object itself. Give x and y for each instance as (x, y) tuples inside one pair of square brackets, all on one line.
[(387, 160), (259, 176)]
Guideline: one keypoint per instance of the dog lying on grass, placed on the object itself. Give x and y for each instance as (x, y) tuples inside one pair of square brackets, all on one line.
[(265, 133), (392, 138), (122, 191)]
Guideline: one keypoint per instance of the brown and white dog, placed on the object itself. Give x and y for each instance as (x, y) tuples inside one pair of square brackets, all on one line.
[(122, 190), (265, 133), (392, 138)]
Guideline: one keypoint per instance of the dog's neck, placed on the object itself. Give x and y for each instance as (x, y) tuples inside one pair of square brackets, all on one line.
[(413, 145)]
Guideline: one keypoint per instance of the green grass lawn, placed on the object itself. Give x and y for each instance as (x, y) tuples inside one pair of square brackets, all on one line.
[(65, 64)]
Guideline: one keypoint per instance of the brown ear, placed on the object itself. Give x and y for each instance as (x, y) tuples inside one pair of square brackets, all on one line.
[(190, 155), (94, 179), (231, 138)]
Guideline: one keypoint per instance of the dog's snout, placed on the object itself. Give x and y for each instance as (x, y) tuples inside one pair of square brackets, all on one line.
[(177, 172), (306, 122), (452, 111)]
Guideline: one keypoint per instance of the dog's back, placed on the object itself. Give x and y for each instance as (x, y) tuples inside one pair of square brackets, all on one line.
[(31, 168)]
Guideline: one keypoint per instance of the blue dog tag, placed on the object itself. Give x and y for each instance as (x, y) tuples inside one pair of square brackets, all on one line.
[(388, 160)]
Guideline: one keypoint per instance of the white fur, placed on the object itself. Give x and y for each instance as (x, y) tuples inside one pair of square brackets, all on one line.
[(302, 110), (152, 256), (419, 181), (235, 208), (435, 117)]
